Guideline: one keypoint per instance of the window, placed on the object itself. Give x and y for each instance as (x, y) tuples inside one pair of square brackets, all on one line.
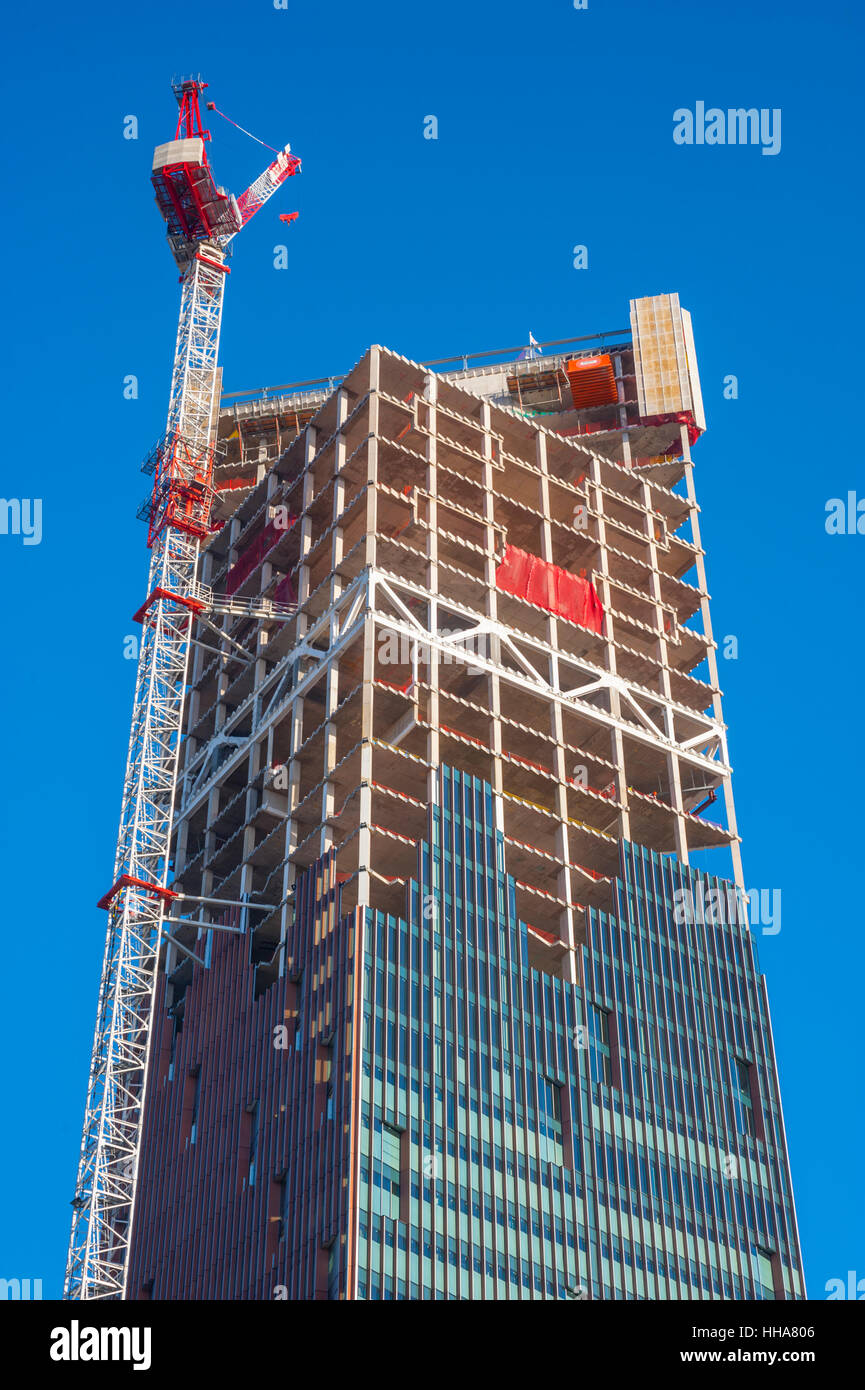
[(298, 1026), (283, 1205), (765, 1273), (599, 1046), (386, 1178), (549, 1120), (196, 1092), (253, 1142), (176, 1026), (742, 1097), (333, 1271)]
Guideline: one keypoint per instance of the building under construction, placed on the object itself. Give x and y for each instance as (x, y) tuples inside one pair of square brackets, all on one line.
[(452, 1015)]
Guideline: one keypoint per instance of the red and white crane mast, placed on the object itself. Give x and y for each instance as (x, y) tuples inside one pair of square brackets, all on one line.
[(202, 219)]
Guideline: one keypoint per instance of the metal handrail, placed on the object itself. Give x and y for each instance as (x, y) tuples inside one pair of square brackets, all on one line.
[(327, 383)]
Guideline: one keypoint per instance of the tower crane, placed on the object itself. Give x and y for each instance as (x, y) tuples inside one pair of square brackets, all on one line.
[(202, 220)]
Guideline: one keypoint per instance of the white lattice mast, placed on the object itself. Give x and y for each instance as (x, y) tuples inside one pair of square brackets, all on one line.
[(202, 219)]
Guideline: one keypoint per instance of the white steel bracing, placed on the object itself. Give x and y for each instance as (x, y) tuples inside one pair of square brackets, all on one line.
[(105, 1193), (698, 739)]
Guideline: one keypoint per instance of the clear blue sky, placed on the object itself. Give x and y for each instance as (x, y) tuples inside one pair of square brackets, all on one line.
[(555, 128)]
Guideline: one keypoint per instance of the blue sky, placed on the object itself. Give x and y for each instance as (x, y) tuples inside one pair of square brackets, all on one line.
[(555, 129)]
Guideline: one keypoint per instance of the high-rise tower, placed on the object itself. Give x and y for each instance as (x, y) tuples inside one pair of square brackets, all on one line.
[(488, 1024)]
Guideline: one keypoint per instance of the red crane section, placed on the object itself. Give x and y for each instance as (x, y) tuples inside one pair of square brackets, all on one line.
[(194, 207)]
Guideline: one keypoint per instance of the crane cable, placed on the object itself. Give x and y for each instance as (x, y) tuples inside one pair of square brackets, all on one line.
[(211, 106)]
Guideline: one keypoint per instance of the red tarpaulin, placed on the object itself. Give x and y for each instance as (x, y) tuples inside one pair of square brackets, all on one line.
[(254, 554), (285, 591), (681, 417), (549, 586)]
